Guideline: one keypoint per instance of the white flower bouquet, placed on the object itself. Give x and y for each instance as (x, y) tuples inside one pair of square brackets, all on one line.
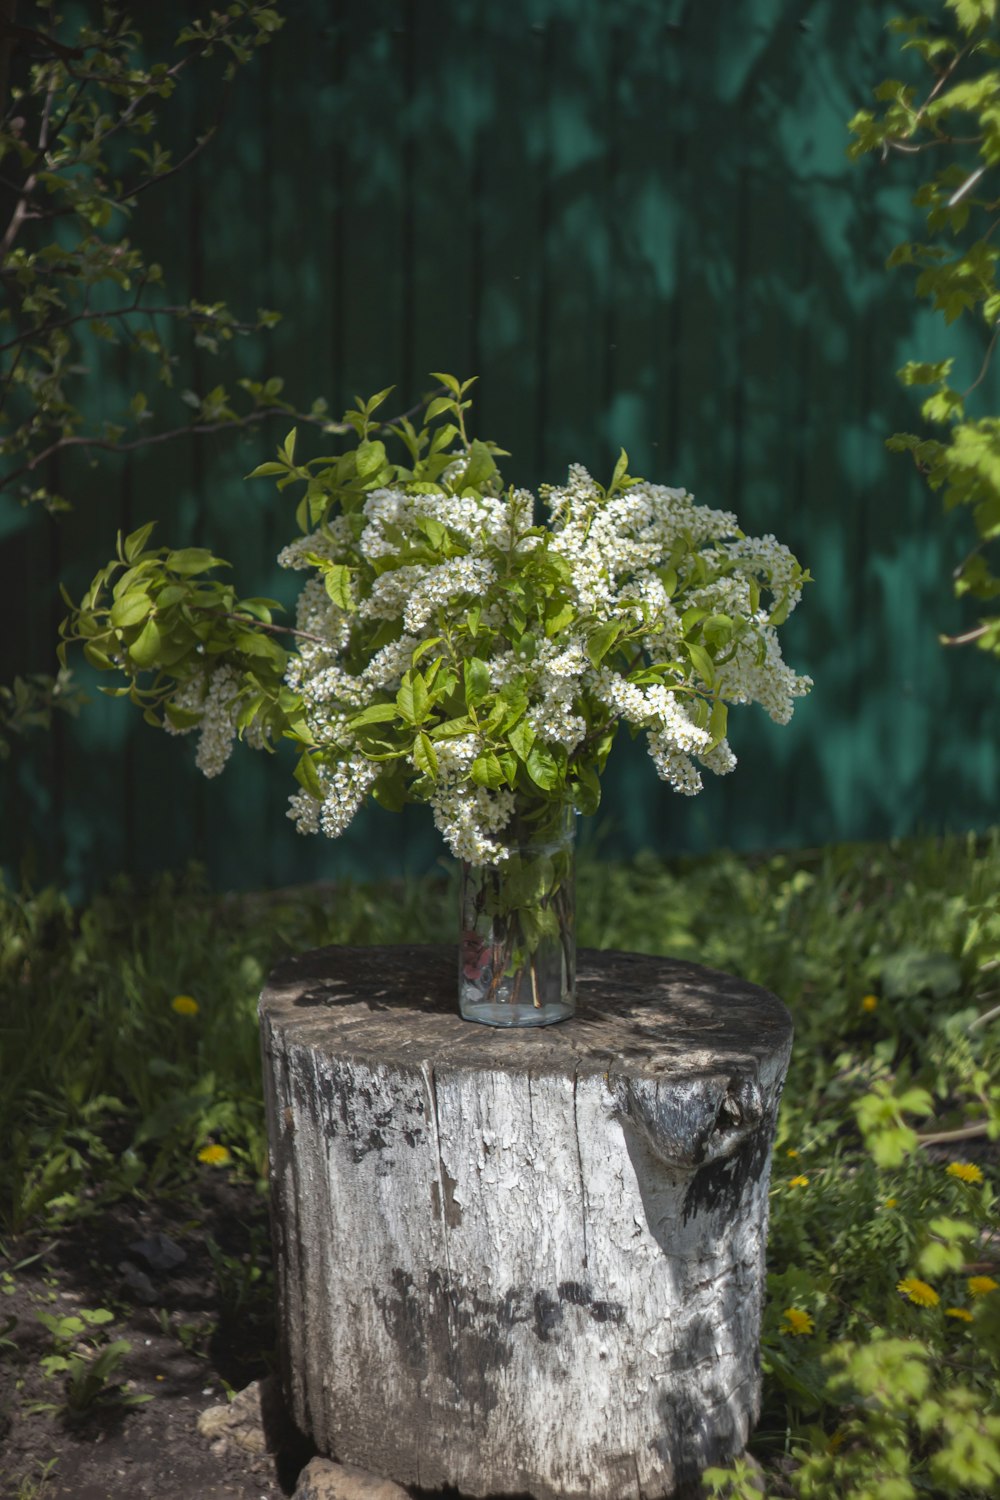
[(460, 644)]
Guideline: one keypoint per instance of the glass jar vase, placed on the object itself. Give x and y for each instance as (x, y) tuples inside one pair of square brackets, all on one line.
[(517, 956)]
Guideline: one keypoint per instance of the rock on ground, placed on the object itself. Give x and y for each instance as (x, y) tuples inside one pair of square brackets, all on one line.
[(322, 1479)]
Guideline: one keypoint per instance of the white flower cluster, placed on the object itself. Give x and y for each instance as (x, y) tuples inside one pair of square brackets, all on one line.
[(216, 701), (642, 558), (620, 551), (468, 816), (345, 787)]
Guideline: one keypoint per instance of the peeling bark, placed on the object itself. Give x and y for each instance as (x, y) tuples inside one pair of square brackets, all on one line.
[(521, 1262)]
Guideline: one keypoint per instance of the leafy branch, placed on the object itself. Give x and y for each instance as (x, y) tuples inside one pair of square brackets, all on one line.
[(81, 110), (956, 264)]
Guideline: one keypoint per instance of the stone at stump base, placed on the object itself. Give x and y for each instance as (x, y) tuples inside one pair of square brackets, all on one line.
[(526, 1261)]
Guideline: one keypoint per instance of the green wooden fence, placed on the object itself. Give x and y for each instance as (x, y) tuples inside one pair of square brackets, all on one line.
[(636, 223)]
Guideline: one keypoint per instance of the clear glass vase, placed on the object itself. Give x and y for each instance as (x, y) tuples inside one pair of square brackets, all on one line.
[(517, 956)]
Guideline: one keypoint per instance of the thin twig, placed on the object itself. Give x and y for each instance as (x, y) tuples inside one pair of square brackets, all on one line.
[(181, 311), (963, 640), (986, 363), (17, 218), (940, 140), (304, 635), (966, 1133), (127, 194), (193, 429), (949, 70)]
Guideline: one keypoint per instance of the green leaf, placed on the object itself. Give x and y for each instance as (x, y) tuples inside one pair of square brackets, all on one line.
[(620, 474), (370, 458), (542, 768), (487, 770), (718, 630), (558, 617), (98, 658), (692, 617), (915, 372), (189, 561), (433, 530), (337, 582), (601, 640), (130, 609), (451, 728), (181, 718), (377, 713), (145, 649), (424, 647), (718, 722), (476, 675), (522, 738), (448, 381), (305, 774), (412, 699), (701, 661), (425, 756), (266, 471), (479, 468), (136, 541), (586, 790)]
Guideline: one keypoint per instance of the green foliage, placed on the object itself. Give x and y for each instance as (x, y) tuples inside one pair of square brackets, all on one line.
[(468, 683), (956, 118), (28, 703), (80, 147), (81, 142), (88, 1365), (153, 608), (155, 617), (109, 1091), (108, 1088)]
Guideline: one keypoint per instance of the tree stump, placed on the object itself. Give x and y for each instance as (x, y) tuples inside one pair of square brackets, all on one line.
[(521, 1261)]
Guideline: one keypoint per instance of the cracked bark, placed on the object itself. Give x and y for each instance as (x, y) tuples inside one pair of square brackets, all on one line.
[(521, 1262)]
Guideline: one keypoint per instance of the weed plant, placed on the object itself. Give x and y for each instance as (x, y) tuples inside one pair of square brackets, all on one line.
[(128, 1050)]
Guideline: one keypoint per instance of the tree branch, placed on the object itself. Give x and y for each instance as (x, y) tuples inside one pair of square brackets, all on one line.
[(966, 1133), (181, 311), (193, 429), (303, 635), (20, 213), (964, 640)]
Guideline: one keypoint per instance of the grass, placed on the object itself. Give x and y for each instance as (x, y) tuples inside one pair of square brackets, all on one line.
[(128, 1049)]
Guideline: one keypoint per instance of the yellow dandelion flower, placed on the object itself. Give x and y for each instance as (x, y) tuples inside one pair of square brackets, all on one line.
[(981, 1286), (185, 1005), (918, 1292), (792, 1154), (965, 1171), (214, 1156), (891, 1203), (799, 1181), (869, 1003), (962, 1313), (796, 1321)]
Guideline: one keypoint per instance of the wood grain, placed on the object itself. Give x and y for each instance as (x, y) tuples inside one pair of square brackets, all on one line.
[(527, 1262)]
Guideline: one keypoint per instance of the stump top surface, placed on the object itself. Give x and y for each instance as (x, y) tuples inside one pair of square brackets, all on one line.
[(636, 1013)]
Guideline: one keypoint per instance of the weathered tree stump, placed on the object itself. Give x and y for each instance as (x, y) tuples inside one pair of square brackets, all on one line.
[(521, 1261)]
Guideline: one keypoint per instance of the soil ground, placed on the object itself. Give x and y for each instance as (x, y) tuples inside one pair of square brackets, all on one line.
[(196, 1331)]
